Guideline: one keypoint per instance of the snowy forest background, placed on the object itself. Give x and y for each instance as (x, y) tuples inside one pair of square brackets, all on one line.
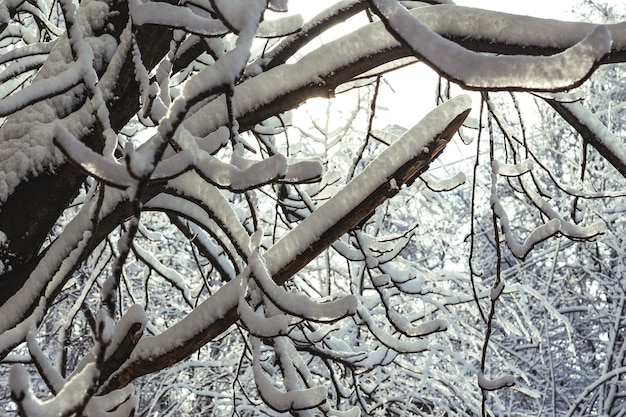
[(212, 208)]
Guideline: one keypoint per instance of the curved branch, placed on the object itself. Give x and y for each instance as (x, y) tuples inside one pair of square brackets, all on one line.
[(476, 71)]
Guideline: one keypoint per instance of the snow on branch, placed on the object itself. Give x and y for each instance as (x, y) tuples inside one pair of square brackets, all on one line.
[(555, 224), (297, 304), (495, 384), (280, 27), (571, 230), (445, 184), (539, 234), (227, 176), (473, 70), (512, 170), (106, 170), (606, 142), (214, 204), (71, 398), (179, 17), (392, 342), (283, 401), (257, 324), (40, 90), (169, 274)]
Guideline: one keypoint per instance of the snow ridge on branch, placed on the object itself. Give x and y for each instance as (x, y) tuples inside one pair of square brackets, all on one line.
[(477, 71)]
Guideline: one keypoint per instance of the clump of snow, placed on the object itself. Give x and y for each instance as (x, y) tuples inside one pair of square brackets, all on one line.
[(494, 384), (280, 27), (169, 15)]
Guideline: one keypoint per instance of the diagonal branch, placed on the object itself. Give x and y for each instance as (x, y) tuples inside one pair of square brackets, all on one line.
[(400, 164), (593, 131)]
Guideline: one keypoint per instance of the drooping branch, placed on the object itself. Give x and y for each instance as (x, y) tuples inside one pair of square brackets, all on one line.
[(476, 71)]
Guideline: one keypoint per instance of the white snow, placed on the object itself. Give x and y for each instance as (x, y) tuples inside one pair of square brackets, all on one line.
[(179, 17), (608, 139), (280, 27), (257, 323), (494, 384), (538, 234), (284, 401), (169, 274), (72, 394), (218, 208), (43, 363), (41, 89), (378, 172), (568, 229), (228, 176), (512, 170)]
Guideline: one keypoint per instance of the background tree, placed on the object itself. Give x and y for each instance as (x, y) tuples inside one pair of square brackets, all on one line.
[(174, 240)]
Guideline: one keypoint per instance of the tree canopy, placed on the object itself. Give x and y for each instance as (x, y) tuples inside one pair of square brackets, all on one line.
[(206, 209)]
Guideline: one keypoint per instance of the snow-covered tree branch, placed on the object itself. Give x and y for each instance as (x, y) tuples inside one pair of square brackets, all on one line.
[(181, 233)]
